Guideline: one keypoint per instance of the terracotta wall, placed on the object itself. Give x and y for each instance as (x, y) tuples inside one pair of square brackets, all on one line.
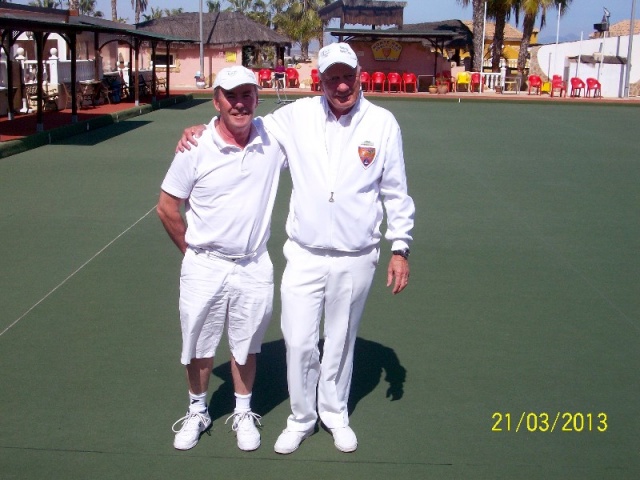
[(414, 58), (187, 63)]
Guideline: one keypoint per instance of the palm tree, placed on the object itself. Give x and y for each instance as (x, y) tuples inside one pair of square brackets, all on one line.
[(500, 11), (155, 13), (299, 20), (139, 6), (242, 6), (260, 12), (46, 3), (213, 6), (173, 11), (531, 8), (478, 42), (114, 10), (87, 7)]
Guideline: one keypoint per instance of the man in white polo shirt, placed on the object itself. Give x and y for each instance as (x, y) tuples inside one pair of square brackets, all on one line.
[(346, 161), (227, 186)]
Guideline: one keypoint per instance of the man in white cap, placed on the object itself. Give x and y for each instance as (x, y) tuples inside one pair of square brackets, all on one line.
[(346, 161), (227, 187)]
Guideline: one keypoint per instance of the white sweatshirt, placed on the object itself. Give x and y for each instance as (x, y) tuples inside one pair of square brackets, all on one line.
[(342, 172)]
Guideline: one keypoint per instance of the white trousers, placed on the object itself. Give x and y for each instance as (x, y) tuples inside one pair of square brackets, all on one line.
[(338, 283)]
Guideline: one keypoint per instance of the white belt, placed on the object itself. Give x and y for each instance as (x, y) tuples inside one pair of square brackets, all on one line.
[(216, 254)]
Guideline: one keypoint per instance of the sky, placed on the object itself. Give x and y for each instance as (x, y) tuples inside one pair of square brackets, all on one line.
[(579, 17)]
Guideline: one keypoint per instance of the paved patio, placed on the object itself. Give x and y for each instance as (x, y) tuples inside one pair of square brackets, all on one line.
[(24, 125)]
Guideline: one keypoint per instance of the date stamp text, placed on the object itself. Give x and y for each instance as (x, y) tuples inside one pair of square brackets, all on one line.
[(550, 422)]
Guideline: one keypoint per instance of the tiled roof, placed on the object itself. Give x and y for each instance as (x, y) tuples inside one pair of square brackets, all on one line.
[(622, 28), (511, 34)]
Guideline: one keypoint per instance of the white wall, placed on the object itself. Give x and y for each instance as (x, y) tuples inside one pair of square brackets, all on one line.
[(612, 77)]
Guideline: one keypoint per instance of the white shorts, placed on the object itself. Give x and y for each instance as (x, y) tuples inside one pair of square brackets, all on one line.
[(214, 292)]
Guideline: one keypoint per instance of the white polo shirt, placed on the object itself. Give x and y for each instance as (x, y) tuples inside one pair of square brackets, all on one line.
[(229, 191), (342, 172)]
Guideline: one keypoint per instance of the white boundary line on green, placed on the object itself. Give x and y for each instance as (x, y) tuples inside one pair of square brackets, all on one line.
[(75, 272)]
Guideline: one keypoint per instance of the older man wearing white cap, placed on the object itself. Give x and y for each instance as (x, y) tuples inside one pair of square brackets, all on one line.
[(227, 186), (347, 168)]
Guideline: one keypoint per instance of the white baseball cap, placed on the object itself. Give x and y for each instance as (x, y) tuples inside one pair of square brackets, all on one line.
[(232, 77), (336, 53)]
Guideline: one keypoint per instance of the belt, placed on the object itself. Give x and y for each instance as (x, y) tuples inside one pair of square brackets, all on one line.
[(216, 254)]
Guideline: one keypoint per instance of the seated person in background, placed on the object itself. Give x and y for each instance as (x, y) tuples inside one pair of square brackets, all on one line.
[(279, 72)]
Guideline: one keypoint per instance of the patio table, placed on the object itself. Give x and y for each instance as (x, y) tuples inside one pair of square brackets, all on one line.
[(511, 85), (90, 91)]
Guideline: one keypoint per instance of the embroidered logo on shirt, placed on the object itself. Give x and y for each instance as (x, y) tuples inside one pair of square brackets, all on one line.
[(367, 153)]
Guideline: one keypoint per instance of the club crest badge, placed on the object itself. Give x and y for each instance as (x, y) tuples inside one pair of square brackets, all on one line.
[(367, 153)]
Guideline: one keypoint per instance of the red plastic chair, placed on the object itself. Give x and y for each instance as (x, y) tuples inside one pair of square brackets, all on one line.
[(410, 79), (365, 81), (558, 85), (315, 80), (293, 78), (394, 79), (535, 83), (577, 86), (475, 82), (264, 77), (593, 85), (378, 78)]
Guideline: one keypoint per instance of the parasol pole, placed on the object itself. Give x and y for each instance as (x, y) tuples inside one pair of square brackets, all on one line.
[(484, 30), (632, 31), (579, 55), (201, 45)]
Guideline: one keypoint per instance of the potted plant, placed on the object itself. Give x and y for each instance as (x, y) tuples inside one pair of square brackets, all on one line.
[(442, 84), (433, 88)]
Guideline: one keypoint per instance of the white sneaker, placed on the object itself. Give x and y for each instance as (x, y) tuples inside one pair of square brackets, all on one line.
[(246, 431), (193, 424), (344, 439), (289, 441)]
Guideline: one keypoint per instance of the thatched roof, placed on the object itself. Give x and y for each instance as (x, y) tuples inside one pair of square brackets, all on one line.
[(364, 12), (461, 38), (25, 18), (222, 29)]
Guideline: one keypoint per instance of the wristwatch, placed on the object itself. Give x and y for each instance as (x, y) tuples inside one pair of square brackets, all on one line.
[(404, 253)]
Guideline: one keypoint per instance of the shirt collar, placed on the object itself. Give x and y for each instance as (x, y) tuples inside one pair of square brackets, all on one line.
[(350, 114), (255, 137)]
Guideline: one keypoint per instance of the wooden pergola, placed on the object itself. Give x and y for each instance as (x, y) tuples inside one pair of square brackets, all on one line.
[(42, 22), (439, 35), (378, 13)]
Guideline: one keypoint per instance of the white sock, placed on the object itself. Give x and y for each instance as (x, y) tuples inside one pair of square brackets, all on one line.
[(243, 402), (197, 402)]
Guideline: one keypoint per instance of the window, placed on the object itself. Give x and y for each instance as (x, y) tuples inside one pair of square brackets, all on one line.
[(248, 56), (162, 60)]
